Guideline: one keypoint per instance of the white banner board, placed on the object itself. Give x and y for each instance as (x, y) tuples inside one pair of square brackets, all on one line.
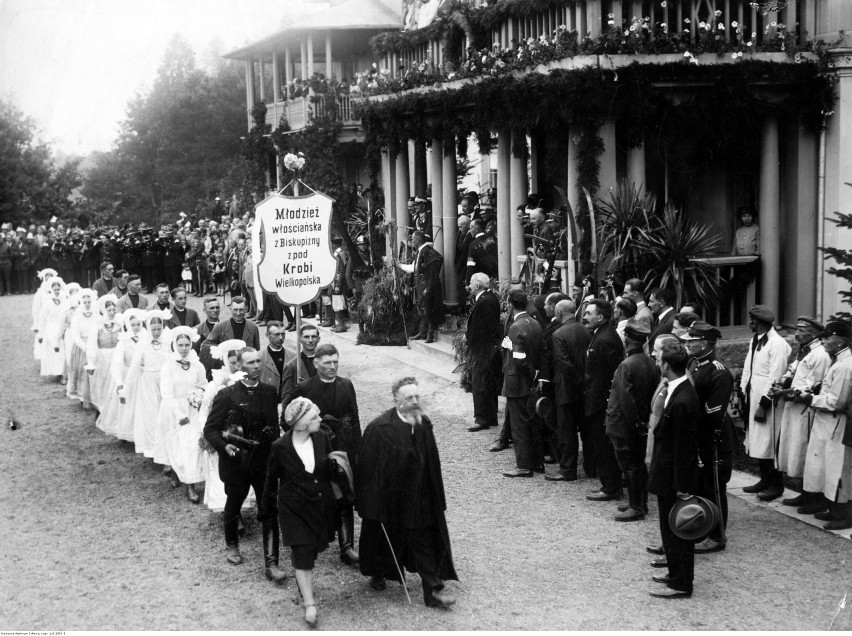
[(291, 244)]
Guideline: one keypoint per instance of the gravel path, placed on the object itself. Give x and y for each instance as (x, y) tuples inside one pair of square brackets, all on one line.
[(94, 539)]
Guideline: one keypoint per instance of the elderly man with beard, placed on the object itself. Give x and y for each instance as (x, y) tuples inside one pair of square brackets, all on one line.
[(400, 498)]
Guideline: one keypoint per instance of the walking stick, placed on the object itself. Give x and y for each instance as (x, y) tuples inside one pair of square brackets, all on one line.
[(724, 535), (396, 563)]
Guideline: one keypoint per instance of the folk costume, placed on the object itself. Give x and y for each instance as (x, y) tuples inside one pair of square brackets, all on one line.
[(115, 417), (100, 353), (50, 326), (182, 381), (400, 492), (82, 323), (42, 294), (142, 385)]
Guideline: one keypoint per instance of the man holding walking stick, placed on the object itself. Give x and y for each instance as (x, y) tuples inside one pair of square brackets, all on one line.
[(400, 497)]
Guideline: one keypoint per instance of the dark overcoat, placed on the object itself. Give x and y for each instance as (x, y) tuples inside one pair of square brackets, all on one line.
[(305, 503), (342, 405), (605, 353), (397, 473), (259, 421)]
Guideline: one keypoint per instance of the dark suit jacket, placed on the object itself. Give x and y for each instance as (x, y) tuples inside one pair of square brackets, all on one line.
[(519, 373), (605, 353), (344, 408), (531, 311), (259, 420), (191, 319), (661, 328), (204, 354), (289, 381), (483, 325), (570, 343), (269, 372), (545, 371), (629, 407), (674, 461), (224, 331)]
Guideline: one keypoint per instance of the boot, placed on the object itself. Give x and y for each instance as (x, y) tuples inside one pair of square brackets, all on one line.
[(842, 513), (329, 316), (776, 486), (801, 500), (430, 336), (270, 552), (346, 536), (341, 323)]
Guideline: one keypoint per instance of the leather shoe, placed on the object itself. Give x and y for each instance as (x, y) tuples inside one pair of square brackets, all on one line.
[(538, 468), (655, 549), (600, 495), (234, 557), (560, 477), (770, 493), (517, 472), (498, 446), (622, 506), (671, 593), (631, 514), (812, 508), (824, 516), (660, 563), (378, 583), (275, 574), (478, 427), (709, 545), (666, 579), (838, 524), (801, 500), (441, 600), (756, 488)]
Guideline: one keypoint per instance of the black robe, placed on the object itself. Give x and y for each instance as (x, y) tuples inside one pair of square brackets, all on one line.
[(400, 485)]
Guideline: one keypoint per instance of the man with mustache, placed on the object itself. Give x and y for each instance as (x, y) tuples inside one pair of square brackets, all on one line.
[(401, 499)]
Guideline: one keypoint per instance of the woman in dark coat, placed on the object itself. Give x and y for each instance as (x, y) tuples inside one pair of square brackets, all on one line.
[(300, 472)]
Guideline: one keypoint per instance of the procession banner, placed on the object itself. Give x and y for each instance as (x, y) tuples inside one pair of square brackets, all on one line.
[(291, 246)]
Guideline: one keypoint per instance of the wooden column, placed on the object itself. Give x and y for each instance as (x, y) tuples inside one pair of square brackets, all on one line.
[(262, 86), (304, 59), (249, 91), (573, 199), (389, 193), (288, 67), (419, 176), (310, 46), (329, 69), (450, 223), (401, 194), (276, 80), (534, 150), (505, 213), (769, 216), (636, 165), (607, 174), (518, 196)]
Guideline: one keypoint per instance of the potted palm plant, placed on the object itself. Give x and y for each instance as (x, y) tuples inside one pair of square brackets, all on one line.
[(624, 217)]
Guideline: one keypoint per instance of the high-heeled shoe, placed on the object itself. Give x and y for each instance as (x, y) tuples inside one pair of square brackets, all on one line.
[(311, 615)]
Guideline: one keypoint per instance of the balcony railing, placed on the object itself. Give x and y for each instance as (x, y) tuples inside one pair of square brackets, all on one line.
[(594, 18), (301, 110)]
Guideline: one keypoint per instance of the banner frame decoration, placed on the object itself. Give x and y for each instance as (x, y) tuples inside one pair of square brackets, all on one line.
[(255, 246)]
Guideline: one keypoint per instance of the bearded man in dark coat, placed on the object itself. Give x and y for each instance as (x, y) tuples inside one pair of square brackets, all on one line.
[(400, 497)]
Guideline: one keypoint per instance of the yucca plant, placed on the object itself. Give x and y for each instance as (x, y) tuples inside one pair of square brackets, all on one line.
[(623, 216), (673, 254)]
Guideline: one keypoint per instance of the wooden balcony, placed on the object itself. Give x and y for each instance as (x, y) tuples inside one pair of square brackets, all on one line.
[(594, 18), (300, 111)]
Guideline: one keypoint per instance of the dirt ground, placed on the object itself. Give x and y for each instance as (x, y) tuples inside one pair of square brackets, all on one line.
[(93, 538)]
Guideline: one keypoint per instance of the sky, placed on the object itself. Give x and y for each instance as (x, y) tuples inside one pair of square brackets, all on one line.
[(73, 65)]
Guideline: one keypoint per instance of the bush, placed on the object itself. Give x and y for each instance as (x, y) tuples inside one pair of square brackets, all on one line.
[(386, 296)]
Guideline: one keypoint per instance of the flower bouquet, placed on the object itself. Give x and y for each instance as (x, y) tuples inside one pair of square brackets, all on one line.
[(195, 397)]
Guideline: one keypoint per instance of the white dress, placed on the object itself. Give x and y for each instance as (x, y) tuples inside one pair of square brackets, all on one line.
[(116, 418), (51, 325), (40, 296), (78, 379), (214, 489), (762, 368), (142, 386), (177, 445), (100, 353)]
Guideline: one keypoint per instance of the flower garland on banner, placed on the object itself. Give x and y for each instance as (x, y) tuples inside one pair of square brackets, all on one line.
[(294, 163)]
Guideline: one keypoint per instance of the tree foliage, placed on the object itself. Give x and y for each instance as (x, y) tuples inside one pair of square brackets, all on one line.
[(33, 187), (179, 146)]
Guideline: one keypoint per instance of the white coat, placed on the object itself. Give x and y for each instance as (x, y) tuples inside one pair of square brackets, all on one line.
[(764, 365)]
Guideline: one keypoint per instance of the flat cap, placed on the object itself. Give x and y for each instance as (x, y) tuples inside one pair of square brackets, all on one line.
[(762, 313), (701, 330), (637, 330), (837, 328), (809, 321)]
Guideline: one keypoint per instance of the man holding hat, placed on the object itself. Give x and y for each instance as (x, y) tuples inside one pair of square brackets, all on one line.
[(674, 468), (715, 430), (807, 370), (828, 467), (627, 413), (764, 365)]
